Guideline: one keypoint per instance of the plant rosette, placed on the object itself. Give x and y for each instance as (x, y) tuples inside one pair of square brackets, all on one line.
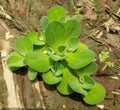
[(59, 57)]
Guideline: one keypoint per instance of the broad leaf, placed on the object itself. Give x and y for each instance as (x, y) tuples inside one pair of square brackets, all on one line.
[(80, 58), (54, 34), (88, 82), (24, 45), (88, 70), (34, 38), (73, 29), (15, 61), (50, 78), (63, 87), (44, 22), (56, 13), (38, 61), (32, 74), (76, 85), (95, 95)]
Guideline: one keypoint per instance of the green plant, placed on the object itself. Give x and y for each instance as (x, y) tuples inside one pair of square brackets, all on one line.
[(103, 58), (58, 55)]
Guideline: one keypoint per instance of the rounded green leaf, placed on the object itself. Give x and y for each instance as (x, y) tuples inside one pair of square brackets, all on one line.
[(32, 74), (38, 61), (82, 46), (56, 13), (34, 38), (76, 85), (77, 17), (24, 45), (80, 58), (88, 82), (88, 70), (73, 29), (54, 34), (50, 78), (95, 95), (14, 68), (63, 87), (44, 22), (15, 61)]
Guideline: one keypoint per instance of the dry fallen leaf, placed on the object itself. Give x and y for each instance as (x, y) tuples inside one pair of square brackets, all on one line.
[(108, 23), (4, 13), (87, 7), (90, 14), (118, 12), (85, 2), (8, 36), (99, 34), (114, 77), (100, 106)]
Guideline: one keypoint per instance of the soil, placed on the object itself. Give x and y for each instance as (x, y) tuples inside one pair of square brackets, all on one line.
[(101, 32)]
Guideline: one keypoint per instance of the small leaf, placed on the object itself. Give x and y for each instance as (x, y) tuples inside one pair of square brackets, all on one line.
[(56, 57), (73, 44), (95, 95), (34, 38), (73, 29), (57, 69), (82, 46), (80, 58), (103, 56), (88, 70), (63, 87), (24, 45), (44, 22), (62, 50), (42, 36), (55, 34), (88, 82), (76, 85), (32, 74), (15, 61), (56, 13), (50, 78), (38, 61), (77, 17)]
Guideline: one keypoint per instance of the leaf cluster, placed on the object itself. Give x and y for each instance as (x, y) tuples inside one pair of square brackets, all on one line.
[(57, 54)]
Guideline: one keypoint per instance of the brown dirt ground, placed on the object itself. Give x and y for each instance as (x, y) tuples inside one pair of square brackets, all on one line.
[(101, 31)]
